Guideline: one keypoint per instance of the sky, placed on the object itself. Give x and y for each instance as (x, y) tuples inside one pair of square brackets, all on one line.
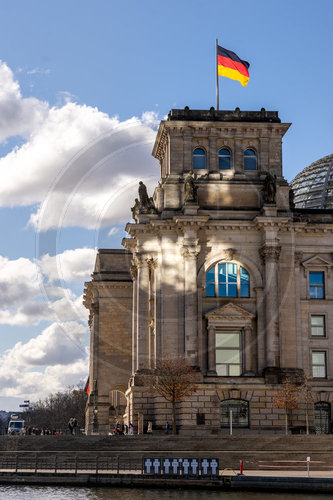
[(83, 86)]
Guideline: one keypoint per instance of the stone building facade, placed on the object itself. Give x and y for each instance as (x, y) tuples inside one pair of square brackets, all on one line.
[(221, 269)]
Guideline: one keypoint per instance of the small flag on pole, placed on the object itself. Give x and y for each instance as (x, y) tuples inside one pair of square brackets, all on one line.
[(231, 66)]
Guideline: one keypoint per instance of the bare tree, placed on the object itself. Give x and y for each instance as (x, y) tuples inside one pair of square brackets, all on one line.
[(174, 380), (286, 398), (55, 411), (305, 389)]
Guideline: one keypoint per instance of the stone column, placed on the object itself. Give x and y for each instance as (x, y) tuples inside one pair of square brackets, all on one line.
[(211, 347), (191, 305), (270, 256), (249, 351), (142, 322), (152, 264), (298, 259), (260, 338), (134, 274), (94, 361)]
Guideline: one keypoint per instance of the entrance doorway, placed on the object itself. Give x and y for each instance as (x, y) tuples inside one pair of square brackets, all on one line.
[(238, 410), (322, 418)]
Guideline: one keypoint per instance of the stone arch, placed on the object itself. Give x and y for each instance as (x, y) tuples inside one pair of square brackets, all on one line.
[(118, 404)]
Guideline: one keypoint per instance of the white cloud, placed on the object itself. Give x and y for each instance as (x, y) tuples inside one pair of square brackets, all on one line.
[(69, 266), (49, 362), (18, 116), (39, 71), (79, 165), (28, 293), (59, 343), (57, 356), (19, 279)]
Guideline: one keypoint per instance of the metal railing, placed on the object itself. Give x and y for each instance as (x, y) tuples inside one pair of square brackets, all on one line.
[(57, 463)]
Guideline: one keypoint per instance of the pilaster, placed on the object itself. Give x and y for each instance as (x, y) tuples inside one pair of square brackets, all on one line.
[(211, 350), (190, 254), (142, 315), (270, 256)]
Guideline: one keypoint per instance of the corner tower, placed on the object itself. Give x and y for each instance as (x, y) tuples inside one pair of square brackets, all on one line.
[(206, 251)]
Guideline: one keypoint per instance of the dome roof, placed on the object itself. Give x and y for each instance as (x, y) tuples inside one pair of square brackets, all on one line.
[(313, 187)]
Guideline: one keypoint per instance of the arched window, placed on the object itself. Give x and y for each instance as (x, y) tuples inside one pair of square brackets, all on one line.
[(237, 410), (224, 159), (227, 279), (250, 160), (199, 158)]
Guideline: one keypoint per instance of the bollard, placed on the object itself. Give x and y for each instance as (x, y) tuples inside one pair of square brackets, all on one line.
[(96, 464), (308, 459), (117, 464), (16, 464), (241, 465), (36, 461), (55, 464), (75, 464)]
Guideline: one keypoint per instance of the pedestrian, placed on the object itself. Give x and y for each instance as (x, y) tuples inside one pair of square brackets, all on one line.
[(167, 428), (71, 425), (131, 429), (150, 427), (74, 426)]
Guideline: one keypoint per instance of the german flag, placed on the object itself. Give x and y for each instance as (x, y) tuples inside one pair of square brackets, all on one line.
[(231, 66)]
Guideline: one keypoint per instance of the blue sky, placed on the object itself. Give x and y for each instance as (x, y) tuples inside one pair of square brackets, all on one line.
[(83, 86)]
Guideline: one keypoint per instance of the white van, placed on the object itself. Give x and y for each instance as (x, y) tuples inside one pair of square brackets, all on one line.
[(16, 426)]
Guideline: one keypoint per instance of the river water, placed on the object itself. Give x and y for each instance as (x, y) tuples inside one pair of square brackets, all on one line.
[(71, 493)]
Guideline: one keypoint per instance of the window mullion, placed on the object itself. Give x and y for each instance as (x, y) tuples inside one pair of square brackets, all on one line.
[(216, 280), (238, 281)]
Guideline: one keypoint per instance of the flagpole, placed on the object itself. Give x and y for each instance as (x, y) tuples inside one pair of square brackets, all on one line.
[(217, 80)]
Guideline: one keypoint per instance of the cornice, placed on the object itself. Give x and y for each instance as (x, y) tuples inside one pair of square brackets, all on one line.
[(179, 222), (272, 222), (218, 225), (160, 142), (111, 284)]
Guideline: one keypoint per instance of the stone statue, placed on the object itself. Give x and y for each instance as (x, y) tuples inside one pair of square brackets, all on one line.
[(135, 209), (143, 204), (143, 195), (269, 188), (291, 198), (190, 189)]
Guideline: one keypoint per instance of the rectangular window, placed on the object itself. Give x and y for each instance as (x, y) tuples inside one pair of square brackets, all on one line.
[(319, 364), (318, 325), (228, 353), (316, 285)]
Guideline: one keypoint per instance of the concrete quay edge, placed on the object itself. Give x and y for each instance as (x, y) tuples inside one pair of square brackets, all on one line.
[(239, 482)]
